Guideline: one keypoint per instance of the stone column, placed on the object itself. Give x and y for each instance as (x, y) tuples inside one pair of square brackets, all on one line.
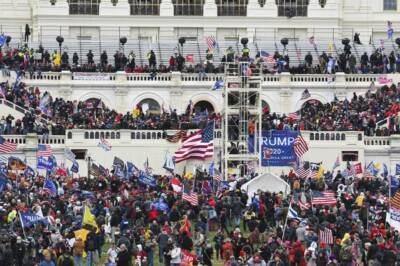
[(285, 93), (210, 8), (166, 8), (30, 149), (120, 9), (121, 99)]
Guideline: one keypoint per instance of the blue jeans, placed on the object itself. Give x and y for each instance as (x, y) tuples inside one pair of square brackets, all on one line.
[(89, 259), (150, 258), (78, 261)]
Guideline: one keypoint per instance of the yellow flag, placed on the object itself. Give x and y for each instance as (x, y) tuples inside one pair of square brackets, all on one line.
[(11, 216), (378, 166), (88, 218), (136, 113), (320, 171), (330, 48)]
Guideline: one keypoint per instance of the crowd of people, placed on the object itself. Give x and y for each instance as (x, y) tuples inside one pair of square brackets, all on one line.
[(114, 220), (344, 60), (360, 113)]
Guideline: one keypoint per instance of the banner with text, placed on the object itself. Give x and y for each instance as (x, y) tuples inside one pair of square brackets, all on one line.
[(277, 147)]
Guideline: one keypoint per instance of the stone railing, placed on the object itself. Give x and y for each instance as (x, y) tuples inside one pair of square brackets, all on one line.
[(377, 141), (283, 79), (19, 109)]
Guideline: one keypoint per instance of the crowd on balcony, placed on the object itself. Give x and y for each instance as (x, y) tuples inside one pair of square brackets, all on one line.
[(115, 219), (46, 114), (343, 60)]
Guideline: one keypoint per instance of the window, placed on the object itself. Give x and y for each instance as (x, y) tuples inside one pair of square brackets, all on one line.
[(232, 7), (150, 106), (349, 156), (80, 154), (188, 7), (390, 5), (84, 7), (292, 8), (145, 7)]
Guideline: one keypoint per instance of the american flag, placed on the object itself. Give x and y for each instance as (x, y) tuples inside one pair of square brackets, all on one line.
[(267, 58), (104, 144), (294, 116), (44, 150), (302, 170), (300, 146), (211, 42), (326, 236), (7, 146), (199, 145), (323, 198), (395, 201), (190, 196), (176, 137)]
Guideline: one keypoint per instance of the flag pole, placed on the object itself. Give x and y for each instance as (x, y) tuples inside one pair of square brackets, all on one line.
[(287, 215), (22, 224)]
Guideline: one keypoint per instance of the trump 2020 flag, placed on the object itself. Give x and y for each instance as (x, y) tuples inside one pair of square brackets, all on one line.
[(75, 167), (28, 219), (50, 186)]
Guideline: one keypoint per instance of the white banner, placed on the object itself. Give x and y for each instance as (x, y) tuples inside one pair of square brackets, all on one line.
[(393, 218), (90, 76)]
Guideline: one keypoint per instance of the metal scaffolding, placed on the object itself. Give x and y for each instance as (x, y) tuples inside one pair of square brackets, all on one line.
[(242, 121)]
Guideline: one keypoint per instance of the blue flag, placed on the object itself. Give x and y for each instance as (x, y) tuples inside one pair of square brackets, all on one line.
[(385, 170), (50, 186), (211, 169), (394, 185), (169, 163), (3, 39), (42, 163), (28, 219), (219, 84), (29, 171), (397, 169), (3, 181), (75, 167), (148, 180)]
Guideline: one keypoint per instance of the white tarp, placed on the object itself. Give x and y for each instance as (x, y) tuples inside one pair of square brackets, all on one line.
[(266, 182)]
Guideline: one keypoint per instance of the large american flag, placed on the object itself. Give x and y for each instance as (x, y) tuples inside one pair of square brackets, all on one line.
[(7, 146), (176, 137), (323, 198), (199, 145), (44, 150), (211, 42), (190, 196), (326, 236), (300, 146)]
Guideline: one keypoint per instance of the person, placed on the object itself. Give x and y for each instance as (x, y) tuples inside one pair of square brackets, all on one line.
[(151, 56), (176, 255), (19, 251), (123, 257), (75, 59), (47, 259), (90, 57), (162, 240), (104, 59), (309, 59), (65, 259), (357, 38), (78, 249), (91, 247), (112, 253), (208, 255), (27, 32)]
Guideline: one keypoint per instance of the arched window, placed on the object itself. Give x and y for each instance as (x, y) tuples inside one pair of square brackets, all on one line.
[(203, 107), (84, 7), (292, 8), (188, 7), (150, 106), (390, 5), (311, 104), (145, 7), (232, 7), (93, 103)]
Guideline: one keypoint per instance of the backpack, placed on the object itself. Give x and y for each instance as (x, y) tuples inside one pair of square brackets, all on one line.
[(346, 254), (66, 261), (91, 244)]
